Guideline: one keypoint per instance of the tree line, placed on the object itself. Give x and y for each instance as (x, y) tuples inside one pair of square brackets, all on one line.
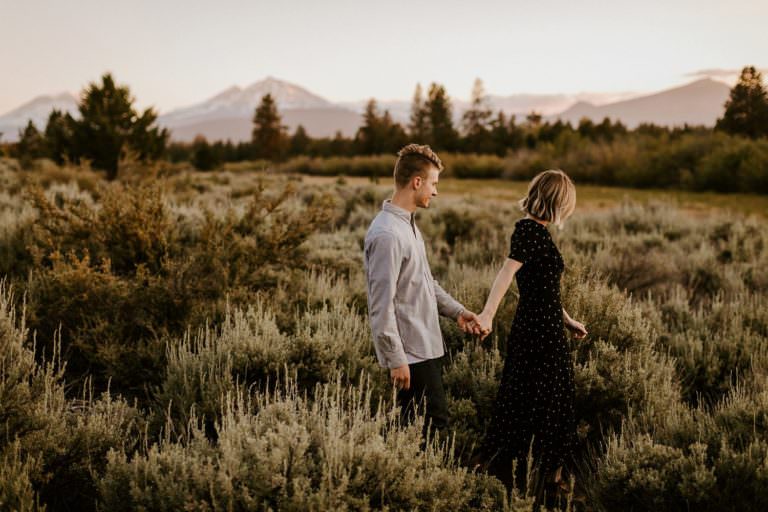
[(109, 127)]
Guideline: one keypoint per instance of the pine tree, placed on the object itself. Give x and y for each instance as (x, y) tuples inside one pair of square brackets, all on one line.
[(300, 141), (499, 134), (204, 156), (31, 145), (379, 134), (269, 135), (340, 145), (515, 133), (59, 136), (109, 127), (439, 113), (393, 134), (418, 129), (367, 139), (476, 119), (746, 111), (586, 128)]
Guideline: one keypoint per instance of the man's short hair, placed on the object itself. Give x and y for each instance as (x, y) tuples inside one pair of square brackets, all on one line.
[(415, 160)]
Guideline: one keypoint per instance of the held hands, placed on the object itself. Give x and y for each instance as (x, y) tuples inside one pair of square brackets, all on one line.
[(485, 320), (471, 323)]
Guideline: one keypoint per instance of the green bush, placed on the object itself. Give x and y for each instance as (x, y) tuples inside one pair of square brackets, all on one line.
[(326, 451), (249, 349), (53, 449)]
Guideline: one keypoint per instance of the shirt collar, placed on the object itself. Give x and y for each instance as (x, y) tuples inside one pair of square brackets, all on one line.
[(402, 213)]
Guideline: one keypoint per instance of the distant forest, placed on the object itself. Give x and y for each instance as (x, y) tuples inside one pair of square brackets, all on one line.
[(731, 157)]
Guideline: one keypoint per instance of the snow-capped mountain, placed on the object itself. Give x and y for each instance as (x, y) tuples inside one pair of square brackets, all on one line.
[(229, 114), (36, 110), (238, 102)]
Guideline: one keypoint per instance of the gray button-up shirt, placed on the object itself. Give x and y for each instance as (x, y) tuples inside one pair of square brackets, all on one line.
[(404, 300)]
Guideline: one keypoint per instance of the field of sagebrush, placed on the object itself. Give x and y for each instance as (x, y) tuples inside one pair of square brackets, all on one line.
[(176, 340)]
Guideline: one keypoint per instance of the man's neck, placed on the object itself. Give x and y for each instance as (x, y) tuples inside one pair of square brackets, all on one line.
[(404, 201)]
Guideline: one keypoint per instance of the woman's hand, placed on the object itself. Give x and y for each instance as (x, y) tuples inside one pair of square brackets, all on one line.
[(485, 321), (577, 328)]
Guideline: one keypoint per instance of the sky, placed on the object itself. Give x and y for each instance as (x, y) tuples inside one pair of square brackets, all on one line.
[(174, 53)]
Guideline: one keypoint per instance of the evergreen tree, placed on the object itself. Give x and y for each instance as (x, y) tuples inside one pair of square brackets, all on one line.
[(368, 137), (177, 152), (204, 157), (746, 111), (418, 128), (532, 128), (442, 134), (340, 145), (269, 135), (31, 145), (651, 129), (549, 132), (499, 134), (586, 128), (533, 118), (394, 134), (515, 133), (476, 121), (379, 133), (244, 151), (604, 130), (300, 141), (109, 127), (59, 136)]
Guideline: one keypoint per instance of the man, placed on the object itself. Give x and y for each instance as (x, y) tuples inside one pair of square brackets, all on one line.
[(404, 300)]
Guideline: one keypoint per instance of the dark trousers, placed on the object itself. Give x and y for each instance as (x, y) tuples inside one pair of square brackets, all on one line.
[(425, 396)]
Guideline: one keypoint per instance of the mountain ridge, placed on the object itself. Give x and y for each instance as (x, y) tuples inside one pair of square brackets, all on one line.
[(699, 102), (228, 114)]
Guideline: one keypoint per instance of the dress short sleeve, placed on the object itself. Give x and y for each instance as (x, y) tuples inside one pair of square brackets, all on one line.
[(524, 241)]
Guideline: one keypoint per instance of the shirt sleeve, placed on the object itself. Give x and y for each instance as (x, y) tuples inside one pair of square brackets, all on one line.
[(383, 257), (446, 305), (523, 245)]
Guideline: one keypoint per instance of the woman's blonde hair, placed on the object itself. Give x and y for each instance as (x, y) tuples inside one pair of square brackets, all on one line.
[(551, 197)]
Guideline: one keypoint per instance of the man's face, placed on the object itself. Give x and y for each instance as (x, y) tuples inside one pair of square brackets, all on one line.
[(427, 188)]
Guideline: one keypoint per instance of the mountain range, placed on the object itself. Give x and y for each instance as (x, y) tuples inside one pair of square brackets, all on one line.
[(37, 111), (228, 115), (699, 102)]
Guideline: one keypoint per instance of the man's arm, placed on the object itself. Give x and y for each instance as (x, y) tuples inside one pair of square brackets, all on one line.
[(450, 307), (447, 305), (383, 260)]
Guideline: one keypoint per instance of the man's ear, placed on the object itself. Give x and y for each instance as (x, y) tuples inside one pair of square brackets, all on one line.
[(417, 181)]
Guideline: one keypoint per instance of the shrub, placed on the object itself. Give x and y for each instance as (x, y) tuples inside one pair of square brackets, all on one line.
[(324, 452), (53, 450), (249, 349)]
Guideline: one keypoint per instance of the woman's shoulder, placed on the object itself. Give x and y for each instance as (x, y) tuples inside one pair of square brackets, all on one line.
[(528, 224)]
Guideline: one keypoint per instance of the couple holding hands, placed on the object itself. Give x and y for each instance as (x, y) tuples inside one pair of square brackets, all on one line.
[(534, 407)]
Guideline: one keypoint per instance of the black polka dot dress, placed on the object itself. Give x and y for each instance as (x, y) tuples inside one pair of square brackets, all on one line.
[(535, 400)]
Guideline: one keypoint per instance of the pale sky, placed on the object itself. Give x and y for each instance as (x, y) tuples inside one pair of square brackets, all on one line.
[(174, 53)]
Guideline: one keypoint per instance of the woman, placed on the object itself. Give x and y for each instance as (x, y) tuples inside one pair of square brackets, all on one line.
[(534, 406)]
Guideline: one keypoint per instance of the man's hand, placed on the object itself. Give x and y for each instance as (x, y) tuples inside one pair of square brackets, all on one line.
[(577, 328), (401, 377), (469, 322)]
